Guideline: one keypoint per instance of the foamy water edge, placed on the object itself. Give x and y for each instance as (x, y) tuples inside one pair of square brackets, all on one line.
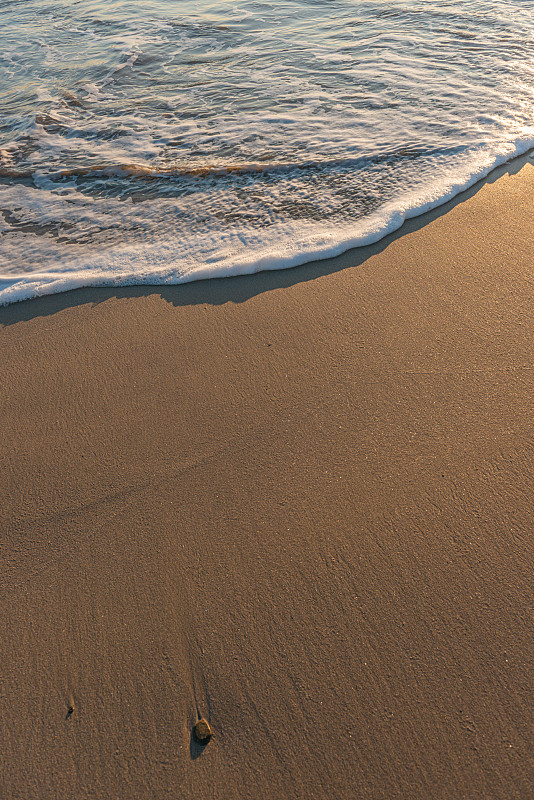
[(158, 265)]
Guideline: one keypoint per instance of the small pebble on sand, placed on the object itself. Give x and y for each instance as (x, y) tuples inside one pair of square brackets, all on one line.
[(202, 732)]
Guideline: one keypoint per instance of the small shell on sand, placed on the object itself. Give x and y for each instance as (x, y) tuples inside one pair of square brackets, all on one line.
[(202, 732)]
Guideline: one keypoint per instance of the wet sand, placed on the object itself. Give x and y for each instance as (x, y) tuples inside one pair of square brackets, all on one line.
[(299, 505)]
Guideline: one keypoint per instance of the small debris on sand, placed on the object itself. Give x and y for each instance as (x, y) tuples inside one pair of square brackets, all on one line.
[(202, 732)]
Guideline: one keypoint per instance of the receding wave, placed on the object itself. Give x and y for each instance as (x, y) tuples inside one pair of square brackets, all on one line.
[(164, 147), (232, 252)]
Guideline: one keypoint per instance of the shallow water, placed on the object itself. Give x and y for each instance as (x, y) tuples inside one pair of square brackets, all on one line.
[(182, 140)]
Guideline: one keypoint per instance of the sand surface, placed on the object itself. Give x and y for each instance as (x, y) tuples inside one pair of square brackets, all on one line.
[(297, 504)]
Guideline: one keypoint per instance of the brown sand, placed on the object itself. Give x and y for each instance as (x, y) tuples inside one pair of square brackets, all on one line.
[(299, 505)]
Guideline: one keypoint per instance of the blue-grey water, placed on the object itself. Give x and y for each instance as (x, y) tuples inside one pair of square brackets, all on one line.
[(166, 141)]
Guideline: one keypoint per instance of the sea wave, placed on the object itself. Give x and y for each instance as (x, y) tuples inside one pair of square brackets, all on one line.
[(167, 262), (162, 145)]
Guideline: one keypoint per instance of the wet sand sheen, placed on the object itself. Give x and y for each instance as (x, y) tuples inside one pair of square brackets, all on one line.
[(296, 505)]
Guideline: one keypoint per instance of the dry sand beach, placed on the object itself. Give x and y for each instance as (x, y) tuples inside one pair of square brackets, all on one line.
[(297, 504)]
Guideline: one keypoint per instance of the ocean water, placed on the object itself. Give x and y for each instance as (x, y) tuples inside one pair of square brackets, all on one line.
[(169, 141)]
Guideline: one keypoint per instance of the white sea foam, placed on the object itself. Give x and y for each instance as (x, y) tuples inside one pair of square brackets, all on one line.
[(168, 144), (226, 253)]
